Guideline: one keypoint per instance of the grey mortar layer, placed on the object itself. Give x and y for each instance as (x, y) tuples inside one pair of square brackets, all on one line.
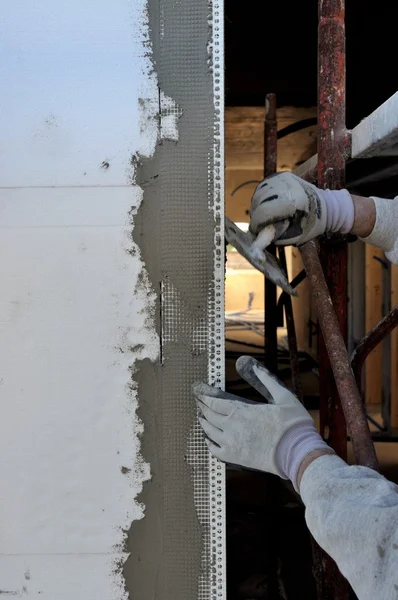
[(174, 229)]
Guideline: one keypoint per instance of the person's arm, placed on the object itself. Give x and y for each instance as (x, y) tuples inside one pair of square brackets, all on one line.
[(304, 212), (364, 216), (352, 512)]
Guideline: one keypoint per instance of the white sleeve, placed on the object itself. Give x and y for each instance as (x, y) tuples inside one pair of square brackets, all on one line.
[(352, 512), (385, 231)]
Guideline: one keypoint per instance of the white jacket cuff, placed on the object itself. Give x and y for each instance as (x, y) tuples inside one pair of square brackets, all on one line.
[(385, 231)]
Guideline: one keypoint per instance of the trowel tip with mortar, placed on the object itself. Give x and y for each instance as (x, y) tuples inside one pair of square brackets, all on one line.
[(253, 249)]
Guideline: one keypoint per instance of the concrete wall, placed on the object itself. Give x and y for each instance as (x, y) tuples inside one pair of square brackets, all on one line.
[(79, 314)]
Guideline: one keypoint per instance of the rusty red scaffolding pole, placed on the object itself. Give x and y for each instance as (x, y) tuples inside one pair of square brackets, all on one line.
[(376, 335), (270, 303), (271, 344), (270, 321), (291, 334), (358, 429), (330, 583), (332, 151), (332, 144), (272, 486), (332, 292)]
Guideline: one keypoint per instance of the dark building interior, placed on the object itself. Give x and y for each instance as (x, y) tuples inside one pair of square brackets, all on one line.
[(272, 47)]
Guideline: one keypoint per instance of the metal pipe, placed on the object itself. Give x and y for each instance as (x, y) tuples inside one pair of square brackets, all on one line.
[(354, 411), (270, 135), (272, 485), (371, 340), (332, 148), (331, 174), (270, 323), (284, 295), (291, 335), (329, 582), (270, 303)]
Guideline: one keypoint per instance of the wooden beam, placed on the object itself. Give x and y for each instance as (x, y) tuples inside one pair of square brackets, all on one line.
[(394, 352), (244, 144), (373, 295), (237, 201)]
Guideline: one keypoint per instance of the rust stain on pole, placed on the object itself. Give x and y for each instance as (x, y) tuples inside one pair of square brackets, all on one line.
[(371, 340), (270, 136), (331, 585), (291, 334), (340, 404), (270, 321), (353, 407), (270, 303), (332, 137), (271, 341)]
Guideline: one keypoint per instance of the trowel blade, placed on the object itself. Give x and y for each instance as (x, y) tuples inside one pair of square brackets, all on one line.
[(260, 259)]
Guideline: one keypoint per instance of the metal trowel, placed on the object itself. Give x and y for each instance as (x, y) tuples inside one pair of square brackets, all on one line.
[(253, 247)]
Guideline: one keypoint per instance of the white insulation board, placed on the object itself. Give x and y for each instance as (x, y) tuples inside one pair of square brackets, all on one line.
[(82, 108)]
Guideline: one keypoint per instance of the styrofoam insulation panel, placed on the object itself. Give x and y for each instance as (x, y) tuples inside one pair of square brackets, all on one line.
[(83, 366)]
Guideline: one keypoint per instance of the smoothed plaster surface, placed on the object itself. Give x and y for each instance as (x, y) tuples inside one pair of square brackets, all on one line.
[(76, 309)]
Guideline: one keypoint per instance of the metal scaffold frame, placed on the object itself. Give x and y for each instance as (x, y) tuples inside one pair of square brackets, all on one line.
[(342, 410)]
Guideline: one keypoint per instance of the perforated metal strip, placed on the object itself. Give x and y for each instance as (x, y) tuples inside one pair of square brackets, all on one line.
[(209, 474), (216, 301)]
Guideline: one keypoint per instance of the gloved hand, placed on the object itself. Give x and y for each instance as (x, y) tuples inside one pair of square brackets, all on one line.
[(304, 211), (274, 437)]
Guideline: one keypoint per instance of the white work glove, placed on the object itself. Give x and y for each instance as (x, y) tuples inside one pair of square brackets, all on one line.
[(385, 231), (305, 211), (274, 437)]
